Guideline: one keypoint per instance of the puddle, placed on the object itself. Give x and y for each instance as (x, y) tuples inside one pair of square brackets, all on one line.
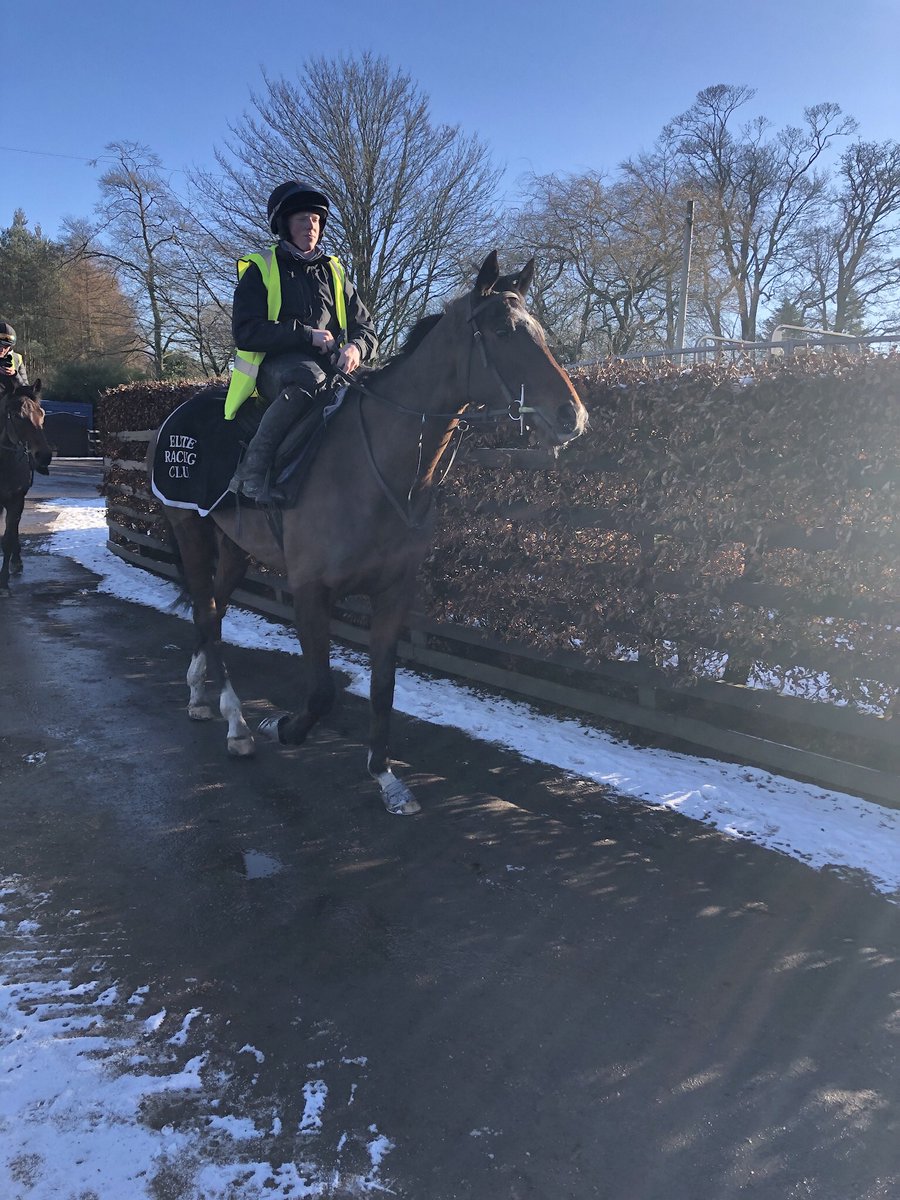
[(260, 866)]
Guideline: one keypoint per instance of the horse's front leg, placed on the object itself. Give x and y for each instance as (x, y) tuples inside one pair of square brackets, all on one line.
[(12, 556), (312, 618), (388, 614)]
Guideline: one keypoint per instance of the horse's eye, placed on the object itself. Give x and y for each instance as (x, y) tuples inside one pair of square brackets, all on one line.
[(503, 331)]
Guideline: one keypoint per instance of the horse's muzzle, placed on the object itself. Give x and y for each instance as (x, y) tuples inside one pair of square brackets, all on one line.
[(571, 421), (42, 463)]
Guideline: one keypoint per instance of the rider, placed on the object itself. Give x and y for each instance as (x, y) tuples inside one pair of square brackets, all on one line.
[(12, 365), (294, 310)]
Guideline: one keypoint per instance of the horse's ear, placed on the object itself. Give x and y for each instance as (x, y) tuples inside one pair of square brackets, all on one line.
[(37, 386), (488, 275), (524, 278)]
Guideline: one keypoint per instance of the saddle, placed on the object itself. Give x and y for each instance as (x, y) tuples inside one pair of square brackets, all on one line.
[(198, 451)]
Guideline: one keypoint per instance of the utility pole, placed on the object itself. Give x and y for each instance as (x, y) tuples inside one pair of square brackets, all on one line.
[(685, 278)]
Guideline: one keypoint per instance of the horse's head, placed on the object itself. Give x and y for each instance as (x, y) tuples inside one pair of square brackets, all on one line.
[(510, 361), (22, 422)]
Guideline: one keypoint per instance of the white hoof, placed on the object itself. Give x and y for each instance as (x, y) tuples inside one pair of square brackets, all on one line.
[(200, 712), (241, 747), (268, 727), (397, 797)]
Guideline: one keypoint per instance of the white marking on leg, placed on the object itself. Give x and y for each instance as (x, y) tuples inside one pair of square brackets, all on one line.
[(240, 739), (198, 709), (397, 797)]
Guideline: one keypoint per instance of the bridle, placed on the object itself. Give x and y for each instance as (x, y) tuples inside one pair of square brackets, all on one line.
[(515, 410)]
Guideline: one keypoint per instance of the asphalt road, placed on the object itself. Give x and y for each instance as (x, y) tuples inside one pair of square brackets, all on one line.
[(556, 994)]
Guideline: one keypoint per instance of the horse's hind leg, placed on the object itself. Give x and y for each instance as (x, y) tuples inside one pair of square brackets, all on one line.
[(209, 595), (230, 570), (388, 614), (199, 708)]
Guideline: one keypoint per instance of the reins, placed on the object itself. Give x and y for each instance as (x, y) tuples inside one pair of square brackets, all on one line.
[(514, 411)]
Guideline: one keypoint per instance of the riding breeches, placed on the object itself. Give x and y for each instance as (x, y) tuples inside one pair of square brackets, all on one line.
[(294, 373)]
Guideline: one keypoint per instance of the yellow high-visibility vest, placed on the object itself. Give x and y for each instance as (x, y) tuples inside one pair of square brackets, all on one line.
[(246, 362)]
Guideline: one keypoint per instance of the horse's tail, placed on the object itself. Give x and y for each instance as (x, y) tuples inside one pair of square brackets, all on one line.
[(183, 603)]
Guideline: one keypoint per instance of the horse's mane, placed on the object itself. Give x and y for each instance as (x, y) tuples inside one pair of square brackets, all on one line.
[(413, 339), (32, 409)]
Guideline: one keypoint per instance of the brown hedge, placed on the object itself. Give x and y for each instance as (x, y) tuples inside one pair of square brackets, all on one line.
[(748, 513)]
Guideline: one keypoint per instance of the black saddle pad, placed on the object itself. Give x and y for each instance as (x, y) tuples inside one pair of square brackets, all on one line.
[(197, 451)]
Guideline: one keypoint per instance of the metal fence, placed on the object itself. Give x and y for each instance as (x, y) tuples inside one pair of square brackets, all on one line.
[(711, 348)]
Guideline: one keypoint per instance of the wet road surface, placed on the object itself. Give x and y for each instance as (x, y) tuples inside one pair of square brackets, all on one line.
[(533, 990)]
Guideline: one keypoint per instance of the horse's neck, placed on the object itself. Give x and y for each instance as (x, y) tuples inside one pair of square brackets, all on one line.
[(428, 385)]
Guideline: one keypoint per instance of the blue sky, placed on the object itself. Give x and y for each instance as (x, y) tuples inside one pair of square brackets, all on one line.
[(562, 86)]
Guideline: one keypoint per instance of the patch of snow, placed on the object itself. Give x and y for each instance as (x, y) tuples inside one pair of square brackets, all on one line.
[(315, 1093)]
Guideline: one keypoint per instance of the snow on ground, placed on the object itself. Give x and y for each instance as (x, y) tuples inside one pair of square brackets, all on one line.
[(85, 1078), (825, 829), (82, 1065)]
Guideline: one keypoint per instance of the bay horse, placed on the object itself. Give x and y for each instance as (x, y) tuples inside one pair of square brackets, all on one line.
[(361, 524), (23, 450)]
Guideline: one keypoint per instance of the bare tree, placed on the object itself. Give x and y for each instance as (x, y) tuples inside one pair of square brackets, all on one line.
[(145, 234), (603, 279), (852, 263), (758, 191), (411, 198), (134, 236)]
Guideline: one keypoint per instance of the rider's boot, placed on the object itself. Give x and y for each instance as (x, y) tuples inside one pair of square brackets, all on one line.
[(252, 476)]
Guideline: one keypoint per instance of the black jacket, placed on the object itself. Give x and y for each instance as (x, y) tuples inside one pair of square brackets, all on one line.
[(307, 303)]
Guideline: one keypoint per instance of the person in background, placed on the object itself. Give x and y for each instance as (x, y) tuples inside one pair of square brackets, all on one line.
[(295, 312), (12, 364)]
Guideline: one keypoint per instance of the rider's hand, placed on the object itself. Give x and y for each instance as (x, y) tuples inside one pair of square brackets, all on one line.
[(323, 341), (349, 358)]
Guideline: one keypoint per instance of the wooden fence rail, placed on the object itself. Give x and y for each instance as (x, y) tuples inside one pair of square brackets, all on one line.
[(833, 746)]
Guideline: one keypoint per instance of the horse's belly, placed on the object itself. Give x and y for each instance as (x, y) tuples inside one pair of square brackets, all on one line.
[(352, 567)]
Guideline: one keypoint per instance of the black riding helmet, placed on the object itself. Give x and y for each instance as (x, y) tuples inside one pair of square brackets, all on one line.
[(7, 334), (293, 197)]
